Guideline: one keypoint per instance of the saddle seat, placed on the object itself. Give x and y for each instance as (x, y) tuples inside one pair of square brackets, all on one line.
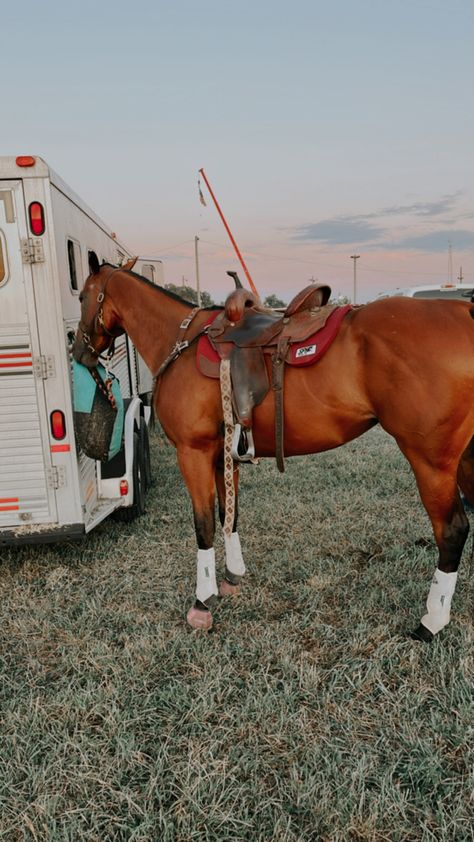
[(246, 331), (246, 323)]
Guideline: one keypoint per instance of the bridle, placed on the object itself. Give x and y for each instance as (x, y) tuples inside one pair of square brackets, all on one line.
[(99, 320)]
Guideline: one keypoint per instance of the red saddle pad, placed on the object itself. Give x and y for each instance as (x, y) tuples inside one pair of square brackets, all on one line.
[(312, 349), (301, 353)]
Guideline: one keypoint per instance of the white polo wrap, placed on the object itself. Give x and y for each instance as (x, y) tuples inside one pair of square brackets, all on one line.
[(438, 604), (206, 584), (233, 554)]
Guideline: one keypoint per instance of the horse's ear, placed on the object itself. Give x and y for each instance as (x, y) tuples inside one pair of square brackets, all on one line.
[(129, 264), (94, 264)]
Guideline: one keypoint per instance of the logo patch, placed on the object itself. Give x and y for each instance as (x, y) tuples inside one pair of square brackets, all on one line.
[(307, 351)]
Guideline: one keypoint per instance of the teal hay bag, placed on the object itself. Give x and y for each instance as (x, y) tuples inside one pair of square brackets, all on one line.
[(98, 412)]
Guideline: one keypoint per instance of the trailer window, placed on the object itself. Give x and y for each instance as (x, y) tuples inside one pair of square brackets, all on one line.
[(3, 260), (148, 272), (74, 261)]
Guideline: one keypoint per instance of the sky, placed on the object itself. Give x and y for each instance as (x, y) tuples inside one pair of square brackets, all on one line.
[(325, 129)]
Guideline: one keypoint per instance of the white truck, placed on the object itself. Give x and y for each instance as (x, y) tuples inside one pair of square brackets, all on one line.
[(49, 490), (431, 291)]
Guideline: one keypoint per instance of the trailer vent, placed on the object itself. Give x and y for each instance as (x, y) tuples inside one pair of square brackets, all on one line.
[(23, 489)]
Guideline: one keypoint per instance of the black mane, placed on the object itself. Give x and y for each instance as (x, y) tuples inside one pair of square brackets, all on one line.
[(167, 292)]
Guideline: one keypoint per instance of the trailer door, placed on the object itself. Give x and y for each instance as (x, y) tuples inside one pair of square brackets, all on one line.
[(26, 492)]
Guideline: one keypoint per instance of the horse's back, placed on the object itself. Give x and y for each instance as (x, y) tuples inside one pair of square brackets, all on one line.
[(417, 326), (418, 362)]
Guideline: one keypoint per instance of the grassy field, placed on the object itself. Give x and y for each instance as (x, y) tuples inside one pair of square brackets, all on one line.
[(306, 714)]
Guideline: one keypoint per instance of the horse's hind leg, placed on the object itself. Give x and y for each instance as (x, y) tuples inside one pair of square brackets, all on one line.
[(234, 566), (197, 467), (466, 474), (438, 490)]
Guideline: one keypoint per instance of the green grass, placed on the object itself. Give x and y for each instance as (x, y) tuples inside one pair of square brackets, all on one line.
[(306, 714)]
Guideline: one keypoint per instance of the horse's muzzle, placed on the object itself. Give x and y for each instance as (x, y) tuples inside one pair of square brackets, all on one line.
[(82, 354)]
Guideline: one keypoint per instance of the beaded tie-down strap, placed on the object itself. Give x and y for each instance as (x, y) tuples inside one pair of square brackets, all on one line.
[(226, 396)]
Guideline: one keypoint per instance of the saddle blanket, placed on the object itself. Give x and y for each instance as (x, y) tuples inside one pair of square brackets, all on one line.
[(300, 353)]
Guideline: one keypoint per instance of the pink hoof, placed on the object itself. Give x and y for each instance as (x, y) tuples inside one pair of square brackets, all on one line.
[(198, 619), (226, 589)]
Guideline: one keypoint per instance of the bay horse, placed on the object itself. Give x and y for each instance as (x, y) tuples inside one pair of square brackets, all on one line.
[(403, 363)]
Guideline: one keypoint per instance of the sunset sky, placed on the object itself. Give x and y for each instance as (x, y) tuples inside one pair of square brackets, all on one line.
[(325, 129)]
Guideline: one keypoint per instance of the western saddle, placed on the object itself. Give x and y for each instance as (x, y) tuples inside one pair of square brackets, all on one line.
[(244, 333)]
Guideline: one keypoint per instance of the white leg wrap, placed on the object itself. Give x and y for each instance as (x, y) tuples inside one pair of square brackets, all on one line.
[(206, 584), (439, 599), (233, 554)]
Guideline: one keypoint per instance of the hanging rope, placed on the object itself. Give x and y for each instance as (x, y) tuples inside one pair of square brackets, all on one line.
[(226, 396)]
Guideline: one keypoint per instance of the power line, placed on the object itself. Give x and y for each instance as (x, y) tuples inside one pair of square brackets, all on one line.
[(325, 264), (170, 248), (313, 263)]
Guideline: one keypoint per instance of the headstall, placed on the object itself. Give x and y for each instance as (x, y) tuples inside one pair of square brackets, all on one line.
[(99, 320)]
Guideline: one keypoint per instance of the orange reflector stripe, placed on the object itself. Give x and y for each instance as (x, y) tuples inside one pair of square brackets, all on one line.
[(14, 356), (9, 508), (16, 365), (9, 499), (60, 448)]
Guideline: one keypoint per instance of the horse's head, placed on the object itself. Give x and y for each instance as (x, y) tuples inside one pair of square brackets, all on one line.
[(98, 327)]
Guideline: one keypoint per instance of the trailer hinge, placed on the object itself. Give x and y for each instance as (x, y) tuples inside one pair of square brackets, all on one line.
[(44, 367), (32, 250), (56, 476)]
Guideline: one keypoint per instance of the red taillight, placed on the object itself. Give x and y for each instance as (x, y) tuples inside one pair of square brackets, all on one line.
[(58, 424), (25, 161), (123, 487), (36, 213)]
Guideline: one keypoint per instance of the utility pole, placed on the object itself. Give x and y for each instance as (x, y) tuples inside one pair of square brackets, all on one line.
[(196, 257), (460, 276), (355, 258)]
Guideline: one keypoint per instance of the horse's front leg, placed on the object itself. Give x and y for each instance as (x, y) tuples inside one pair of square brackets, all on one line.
[(197, 468), (234, 564)]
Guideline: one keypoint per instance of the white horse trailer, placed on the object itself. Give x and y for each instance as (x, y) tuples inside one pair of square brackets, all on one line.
[(49, 490)]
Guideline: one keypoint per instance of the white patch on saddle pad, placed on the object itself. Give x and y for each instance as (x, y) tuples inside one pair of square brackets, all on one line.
[(307, 351)]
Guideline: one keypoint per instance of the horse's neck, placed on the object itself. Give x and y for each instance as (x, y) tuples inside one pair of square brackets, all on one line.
[(149, 317)]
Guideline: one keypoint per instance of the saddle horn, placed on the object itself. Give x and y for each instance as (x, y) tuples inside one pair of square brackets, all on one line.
[(236, 279)]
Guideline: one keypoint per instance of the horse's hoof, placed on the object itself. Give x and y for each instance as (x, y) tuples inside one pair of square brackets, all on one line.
[(227, 589), (423, 634), (199, 619)]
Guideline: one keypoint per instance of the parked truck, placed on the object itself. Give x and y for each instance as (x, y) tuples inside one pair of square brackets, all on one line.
[(431, 291), (49, 489)]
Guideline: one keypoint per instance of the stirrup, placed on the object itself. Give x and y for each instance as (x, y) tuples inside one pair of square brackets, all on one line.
[(243, 448)]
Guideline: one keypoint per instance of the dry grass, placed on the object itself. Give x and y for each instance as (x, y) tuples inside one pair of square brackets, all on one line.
[(307, 714)]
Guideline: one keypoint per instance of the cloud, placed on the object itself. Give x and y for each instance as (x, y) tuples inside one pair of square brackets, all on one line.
[(369, 231), (438, 241), (435, 208), (340, 231)]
